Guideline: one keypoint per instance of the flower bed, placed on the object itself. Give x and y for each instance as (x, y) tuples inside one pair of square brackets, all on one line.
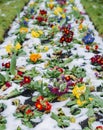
[(51, 69)]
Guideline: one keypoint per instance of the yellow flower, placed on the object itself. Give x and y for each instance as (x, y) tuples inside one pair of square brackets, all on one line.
[(58, 11), (78, 91), (91, 99), (26, 19), (46, 48), (18, 46), (35, 34), (40, 32), (81, 26), (63, 16), (35, 56), (51, 5), (75, 8), (72, 119), (9, 48), (80, 103), (23, 30)]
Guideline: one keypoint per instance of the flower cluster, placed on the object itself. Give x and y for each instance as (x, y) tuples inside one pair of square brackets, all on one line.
[(67, 35), (78, 91), (60, 85), (42, 104), (10, 48), (36, 34), (97, 60), (92, 48), (26, 80), (6, 65), (88, 38), (42, 17), (34, 57)]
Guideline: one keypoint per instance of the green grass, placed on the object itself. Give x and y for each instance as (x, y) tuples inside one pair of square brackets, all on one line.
[(8, 11), (94, 9)]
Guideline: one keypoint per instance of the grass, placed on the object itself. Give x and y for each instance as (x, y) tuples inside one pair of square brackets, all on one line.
[(8, 11), (94, 9)]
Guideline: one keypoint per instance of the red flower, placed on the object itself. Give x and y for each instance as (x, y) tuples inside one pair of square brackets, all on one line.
[(7, 65), (26, 80), (48, 106), (8, 84), (62, 39), (68, 40), (40, 19), (66, 31), (87, 47), (96, 47), (60, 70), (99, 128), (20, 73), (3, 64), (39, 106), (43, 12), (93, 60), (28, 111), (21, 83), (67, 78), (40, 98)]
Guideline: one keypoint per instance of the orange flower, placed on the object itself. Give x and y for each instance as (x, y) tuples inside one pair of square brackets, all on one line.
[(34, 57)]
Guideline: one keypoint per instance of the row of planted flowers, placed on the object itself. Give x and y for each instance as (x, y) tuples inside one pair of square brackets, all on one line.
[(41, 63)]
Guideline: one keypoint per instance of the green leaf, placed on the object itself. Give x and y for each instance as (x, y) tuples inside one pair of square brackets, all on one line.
[(18, 128), (13, 65), (54, 116), (28, 124), (90, 112), (2, 79), (2, 127), (75, 111), (70, 103), (18, 115)]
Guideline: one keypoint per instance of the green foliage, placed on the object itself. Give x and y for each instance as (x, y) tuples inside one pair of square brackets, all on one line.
[(13, 65), (94, 9), (2, 79), (10, 11)]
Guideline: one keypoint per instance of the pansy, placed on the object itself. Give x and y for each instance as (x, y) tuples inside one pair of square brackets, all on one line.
[(17, 46), (34, 57), (58, 11), (23, 30), (42, 104), (99, 128), (46, 48), (78, 91), (88, 38), (81, 26), (35, 34), (6, 65), (80, 103), (50, 5), (9, 48)]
